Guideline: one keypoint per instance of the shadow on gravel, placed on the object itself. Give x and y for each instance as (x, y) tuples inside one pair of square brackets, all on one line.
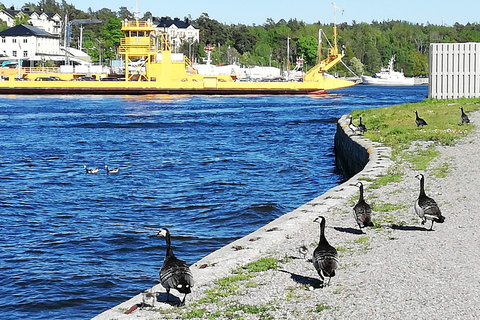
[(348, 230), (316, 283), (409, 228), (174, 300)]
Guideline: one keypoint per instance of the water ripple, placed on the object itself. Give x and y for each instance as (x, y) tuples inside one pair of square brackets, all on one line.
[(211, 169)]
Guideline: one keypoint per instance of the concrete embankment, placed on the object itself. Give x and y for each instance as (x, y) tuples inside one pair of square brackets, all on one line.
[(279, 238)]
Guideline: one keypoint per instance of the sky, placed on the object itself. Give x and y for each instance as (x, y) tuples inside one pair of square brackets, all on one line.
[(257, 12)]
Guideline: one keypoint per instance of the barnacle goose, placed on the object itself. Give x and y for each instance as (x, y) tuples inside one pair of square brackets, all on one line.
[(419, 121), (175, 273), (362, 212), (91, 171), (325, 257), (425, 207)]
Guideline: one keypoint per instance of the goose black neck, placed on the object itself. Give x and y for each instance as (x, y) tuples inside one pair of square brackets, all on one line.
[(422, 186), (169, 245), (322, 230), (361, 191)]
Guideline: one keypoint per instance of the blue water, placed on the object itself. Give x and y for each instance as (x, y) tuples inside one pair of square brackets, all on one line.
[(211, 169)]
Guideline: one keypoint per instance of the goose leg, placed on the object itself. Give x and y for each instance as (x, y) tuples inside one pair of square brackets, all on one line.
[(431, 227), (168, 295), (183, 301)]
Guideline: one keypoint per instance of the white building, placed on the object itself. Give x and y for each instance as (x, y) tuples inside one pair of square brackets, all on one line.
[(25, 42), (49, 22), (179, 31)]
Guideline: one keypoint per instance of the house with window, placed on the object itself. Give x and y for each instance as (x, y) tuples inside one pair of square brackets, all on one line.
[(49, 22), (179, 31), (28, 43)]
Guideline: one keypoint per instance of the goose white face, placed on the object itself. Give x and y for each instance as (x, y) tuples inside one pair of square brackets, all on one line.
[(162, 233)]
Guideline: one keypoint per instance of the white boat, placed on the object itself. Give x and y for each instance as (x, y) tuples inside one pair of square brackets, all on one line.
[(389, 77)]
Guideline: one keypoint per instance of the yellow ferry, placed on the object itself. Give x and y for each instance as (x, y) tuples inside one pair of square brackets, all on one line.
[(152, 71)]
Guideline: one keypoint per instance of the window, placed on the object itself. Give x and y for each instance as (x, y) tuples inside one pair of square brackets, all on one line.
[(25, 40), (14, 53), (4, 40), (14, 40), (25, 54)]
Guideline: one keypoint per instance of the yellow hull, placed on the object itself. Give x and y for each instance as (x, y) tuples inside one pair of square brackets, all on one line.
[(189, 85)]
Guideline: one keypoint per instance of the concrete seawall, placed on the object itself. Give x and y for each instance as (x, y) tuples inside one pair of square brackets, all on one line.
[(359, 157)]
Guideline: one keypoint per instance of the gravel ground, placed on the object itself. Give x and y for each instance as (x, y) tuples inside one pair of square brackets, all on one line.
[(388, 272)]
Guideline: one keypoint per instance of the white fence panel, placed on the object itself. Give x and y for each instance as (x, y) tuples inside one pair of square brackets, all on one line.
[(454, 70)]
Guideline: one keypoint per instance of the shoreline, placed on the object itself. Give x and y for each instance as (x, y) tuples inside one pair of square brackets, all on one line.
[(396, 270), (263, 241)]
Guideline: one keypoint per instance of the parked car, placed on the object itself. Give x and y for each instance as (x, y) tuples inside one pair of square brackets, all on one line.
[(109, 79), (51, 78)]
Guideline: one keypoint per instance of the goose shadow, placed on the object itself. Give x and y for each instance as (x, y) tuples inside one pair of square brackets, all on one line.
[(348, 230), (174, 300), (409, 228), (314, 282)]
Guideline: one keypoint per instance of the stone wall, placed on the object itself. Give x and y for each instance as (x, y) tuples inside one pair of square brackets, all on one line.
[(354, 153)]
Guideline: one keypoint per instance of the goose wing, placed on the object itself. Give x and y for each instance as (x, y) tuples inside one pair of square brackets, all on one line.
[(176, 274), (362, 213), (325, 259), (429, 208)]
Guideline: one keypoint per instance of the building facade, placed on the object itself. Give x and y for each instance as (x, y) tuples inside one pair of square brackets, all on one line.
[(49, 22), (25, 42), (179, 31)]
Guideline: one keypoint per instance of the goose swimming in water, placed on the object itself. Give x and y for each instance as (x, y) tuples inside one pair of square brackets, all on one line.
[(112, 171), (175, 273), (464, 117), (362, 212), (425, 207), (325, 257), (419, 121), (91, 171)]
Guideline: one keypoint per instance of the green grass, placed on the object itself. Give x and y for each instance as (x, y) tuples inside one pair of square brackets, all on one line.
[(394, 126), (387, 207), (441, 171), (322, 307), (386, 179), (262, 264), (195, 313), (420, 158)]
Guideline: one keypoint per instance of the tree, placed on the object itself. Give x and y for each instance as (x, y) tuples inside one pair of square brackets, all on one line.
[(356, 66), (21, 18), (308, 48), (124, 13)]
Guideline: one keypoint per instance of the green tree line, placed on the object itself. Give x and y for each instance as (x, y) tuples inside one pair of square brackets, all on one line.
[(367, 46)]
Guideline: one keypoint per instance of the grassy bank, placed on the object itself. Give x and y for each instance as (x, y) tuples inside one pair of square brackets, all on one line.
[(395, 126)]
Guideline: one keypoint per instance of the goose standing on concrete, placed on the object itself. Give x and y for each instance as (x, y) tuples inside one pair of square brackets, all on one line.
[(112, 171), (362, 212), (361, 127), (325, 257), (352, 127), (91, 171), (419, 121), (425, 207), (464, 117), (175, 273)]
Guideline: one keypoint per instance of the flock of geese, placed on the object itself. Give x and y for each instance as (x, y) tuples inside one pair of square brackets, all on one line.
[(175, 273), (96, 170)]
